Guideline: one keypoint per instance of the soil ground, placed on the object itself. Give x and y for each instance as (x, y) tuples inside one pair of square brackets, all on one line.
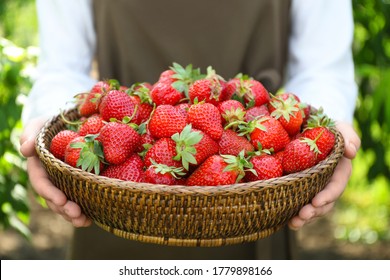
[(51, 236)]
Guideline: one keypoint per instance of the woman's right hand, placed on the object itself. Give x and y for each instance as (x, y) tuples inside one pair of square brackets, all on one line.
[(55, 198)]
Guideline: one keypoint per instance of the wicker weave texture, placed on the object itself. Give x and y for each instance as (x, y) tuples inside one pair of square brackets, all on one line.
[(183, 215)]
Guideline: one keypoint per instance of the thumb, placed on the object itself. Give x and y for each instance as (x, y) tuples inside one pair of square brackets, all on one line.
[(351, 139), (27, 139)]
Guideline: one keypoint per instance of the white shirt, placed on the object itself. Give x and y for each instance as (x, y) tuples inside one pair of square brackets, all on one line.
[(320, 68)]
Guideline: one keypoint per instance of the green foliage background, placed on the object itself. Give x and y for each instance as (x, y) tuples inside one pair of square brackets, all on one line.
[(363, 212)]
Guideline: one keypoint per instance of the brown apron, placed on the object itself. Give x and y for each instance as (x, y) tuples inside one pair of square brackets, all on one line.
[(138, 39)]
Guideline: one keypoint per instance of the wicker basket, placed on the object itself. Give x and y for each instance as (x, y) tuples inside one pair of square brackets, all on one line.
[(183, 215)]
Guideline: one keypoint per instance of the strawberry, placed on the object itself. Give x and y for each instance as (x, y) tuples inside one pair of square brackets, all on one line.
[(130, 170), (325, 140), (184, 107), (163, 174), (166, 121), (318, 129), (248, 91), (143, 111), (232, 144), (256, 93), (91, 125), (256, 112), (184, 77), (299, 155), (266, 132), (163, 93), (206, 117), (288, 95), (85, 153), (166, 76), (266, 167), (231, 88), (60, 141), (119, 141), (231, 110), (116, 104), (140, 94), (146, 142), (288, 112), (207, 89), (193, 146), (173, 84), (219, 170), (91, 101), (163, 151), (279, 155)]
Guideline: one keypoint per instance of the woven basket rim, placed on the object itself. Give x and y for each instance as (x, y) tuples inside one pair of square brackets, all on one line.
[(44, 153)]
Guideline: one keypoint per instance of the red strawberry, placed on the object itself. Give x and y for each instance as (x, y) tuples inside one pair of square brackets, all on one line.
[(90, 102), (231, 111), (288, 112), (163, 174), (288, 95), (119, 142), (318, 128), (193, 146), (256, 93), (184, 107), (218, 170), (163, 151), (231, 88), (279, 155), (91, 125), (116, 104), (299, 155), (248, 90), (130, 170), (140, 94), (163, 93), (60, 141), (206, 117), (232, 144), (208, 89), (72, 154), (205, 90), (166, 121), (266, 167), (266, 131), (325, 140), (173, 84), (166, 76), (256, 112), (143, 112), (85, 153), (147, 141)]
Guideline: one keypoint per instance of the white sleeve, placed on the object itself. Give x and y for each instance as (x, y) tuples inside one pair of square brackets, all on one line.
[(67, 46), (320, 67)]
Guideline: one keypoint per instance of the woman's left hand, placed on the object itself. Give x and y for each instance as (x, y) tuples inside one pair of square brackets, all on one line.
[(324, 201)]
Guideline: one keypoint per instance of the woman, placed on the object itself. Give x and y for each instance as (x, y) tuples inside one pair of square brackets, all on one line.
[(303, 46)]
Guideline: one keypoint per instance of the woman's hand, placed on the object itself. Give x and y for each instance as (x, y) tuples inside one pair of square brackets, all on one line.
[(55, 198), (324, 201)]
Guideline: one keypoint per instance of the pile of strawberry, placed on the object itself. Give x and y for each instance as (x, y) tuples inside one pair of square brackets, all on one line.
[(193, 129)]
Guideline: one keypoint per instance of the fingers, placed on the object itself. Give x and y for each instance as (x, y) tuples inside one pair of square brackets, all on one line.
[(336, 185), (42, 184), (324, 201), (55, 198), (71, 212), (308, 214), (351, 139)]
